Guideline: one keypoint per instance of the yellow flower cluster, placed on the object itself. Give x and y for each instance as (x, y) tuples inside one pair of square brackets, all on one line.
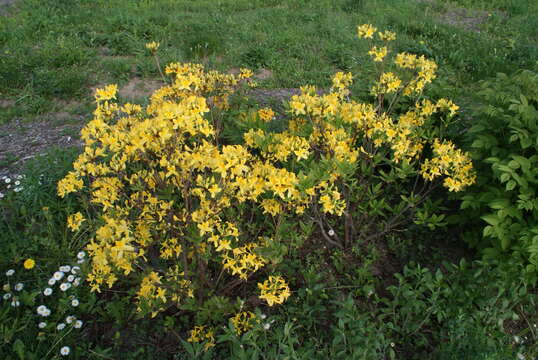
[(74, 221), (366, 31), (274, 290), (202, 334), (378, 53), (243, 321), (341, 82), (167, 187), (451, 162), (151, 291), (266, 114)]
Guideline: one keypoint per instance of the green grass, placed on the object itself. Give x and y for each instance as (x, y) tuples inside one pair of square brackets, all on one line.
[(59, 49)]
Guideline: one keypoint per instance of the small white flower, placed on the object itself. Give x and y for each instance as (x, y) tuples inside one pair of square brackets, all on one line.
[(76, 282), (42, 325), (65, 268), (75, 270), (65, 286), (78, 324), (10, 272), (74, 302), (81, 255), (70, 319), (392, 344), (52, 281), (263, 316), (70, 278), (1, 195), (331, 232), (520, 356), (47, 291), (80, 261), (266, 326), (7, 180), (15, 302), (65, 351), (19, 177), (17, 183), (19, 286), (60, 326), (58, 275), (43, 311), (517, 339), (17, 189), (7, 296)]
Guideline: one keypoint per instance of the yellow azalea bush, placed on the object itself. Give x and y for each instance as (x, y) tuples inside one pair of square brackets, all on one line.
[(173, 199)]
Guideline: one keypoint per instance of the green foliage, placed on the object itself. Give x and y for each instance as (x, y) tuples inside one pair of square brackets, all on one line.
[(503, 141)]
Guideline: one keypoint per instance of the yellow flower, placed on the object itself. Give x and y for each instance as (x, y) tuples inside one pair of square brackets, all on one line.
[(107, 93), (366, 31), (152, 46), (74, 221), (274, 290), (266, 114), (29, 264)]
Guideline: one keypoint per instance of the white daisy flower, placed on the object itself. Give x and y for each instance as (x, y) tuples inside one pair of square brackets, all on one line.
[(81, 255), (15, 302), (7, 180), (75, 270), (17, 189), (263, 316), (42, 325), (7, 296), (266, 326), (46, 313), (60, 326), (41, 309), (78, 324), (65, 351), (74, 302), (70, 278), (17, 183), (1, 195), (58, 275), (70, 319), (47, 291), (10, 272), (65, 286), (19, 287), (76, 282), (52, 281), (65, 268), (331, 232)]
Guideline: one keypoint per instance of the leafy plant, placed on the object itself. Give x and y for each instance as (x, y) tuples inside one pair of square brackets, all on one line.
[(503, 138)]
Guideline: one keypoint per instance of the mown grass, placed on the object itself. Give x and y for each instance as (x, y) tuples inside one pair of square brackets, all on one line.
[(60, 49)]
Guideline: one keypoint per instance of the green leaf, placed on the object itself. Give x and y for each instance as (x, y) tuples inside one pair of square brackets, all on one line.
[(491, 219), (510, 185), (18, 347)]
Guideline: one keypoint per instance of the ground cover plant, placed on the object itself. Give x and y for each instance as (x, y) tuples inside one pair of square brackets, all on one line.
[(205, 221)]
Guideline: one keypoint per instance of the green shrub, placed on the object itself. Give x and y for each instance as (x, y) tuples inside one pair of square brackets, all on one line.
[(505, 148)]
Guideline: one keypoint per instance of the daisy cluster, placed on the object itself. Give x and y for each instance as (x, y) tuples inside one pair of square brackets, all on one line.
[(10, 184), (64, 280), (11, 292)]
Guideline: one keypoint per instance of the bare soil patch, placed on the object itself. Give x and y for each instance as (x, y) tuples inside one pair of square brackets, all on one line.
[(21, 141)]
